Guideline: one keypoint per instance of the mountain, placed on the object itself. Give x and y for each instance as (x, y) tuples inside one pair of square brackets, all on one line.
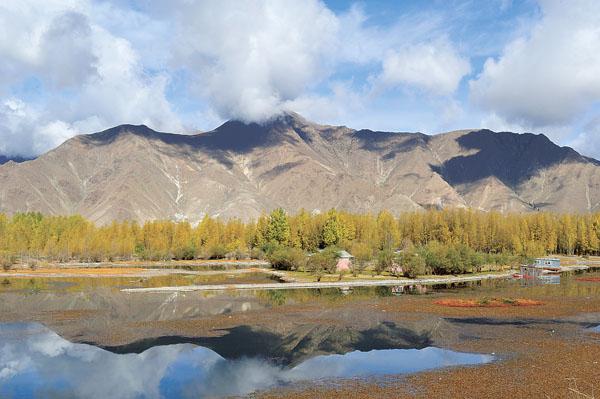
[(241, 170)]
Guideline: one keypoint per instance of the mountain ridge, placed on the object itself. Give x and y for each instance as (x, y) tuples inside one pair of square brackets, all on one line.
[(243, 169)]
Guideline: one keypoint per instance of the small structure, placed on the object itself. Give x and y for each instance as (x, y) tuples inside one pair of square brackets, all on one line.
[(542, 268), (344, 263), (547, 263)]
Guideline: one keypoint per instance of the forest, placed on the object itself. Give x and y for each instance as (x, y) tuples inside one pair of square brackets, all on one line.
[(26, 236)]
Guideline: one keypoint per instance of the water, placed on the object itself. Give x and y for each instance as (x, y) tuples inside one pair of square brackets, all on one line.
[(77, 284), (35, 362)]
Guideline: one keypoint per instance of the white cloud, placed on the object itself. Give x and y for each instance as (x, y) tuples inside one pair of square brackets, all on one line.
[(95, 64), (90, 79), (250, 57), (435, 67), (338, 104), (550, 75), (588, 141)]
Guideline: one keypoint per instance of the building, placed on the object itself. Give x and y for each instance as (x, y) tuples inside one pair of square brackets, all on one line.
[(541, 267), (547, 263), (344, 263)]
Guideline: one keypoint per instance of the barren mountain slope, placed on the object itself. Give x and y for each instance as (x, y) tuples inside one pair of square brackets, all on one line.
[(241, 170)]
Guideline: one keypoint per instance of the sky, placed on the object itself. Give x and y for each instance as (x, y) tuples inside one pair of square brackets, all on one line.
[(70, 67)]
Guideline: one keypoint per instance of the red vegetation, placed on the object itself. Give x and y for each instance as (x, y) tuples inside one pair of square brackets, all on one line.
[(589, 279), (486, 303)]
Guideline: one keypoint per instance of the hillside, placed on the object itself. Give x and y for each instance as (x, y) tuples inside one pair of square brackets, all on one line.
[(241, 170)]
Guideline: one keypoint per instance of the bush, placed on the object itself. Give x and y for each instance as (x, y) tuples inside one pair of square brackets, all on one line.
[(362, 254), (240, 254), (413, 264), (185, 253), (385, 261), (33, 265), (323, 262), (217, 251), (7, 263), (257, 253), (285, 258)]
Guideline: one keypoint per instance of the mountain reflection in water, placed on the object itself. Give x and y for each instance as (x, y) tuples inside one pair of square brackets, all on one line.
[(35, 362)]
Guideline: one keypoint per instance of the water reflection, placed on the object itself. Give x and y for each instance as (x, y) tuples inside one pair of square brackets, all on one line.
[(37, 363)]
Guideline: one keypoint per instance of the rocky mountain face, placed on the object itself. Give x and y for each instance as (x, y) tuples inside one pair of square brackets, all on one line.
[(241, 170)]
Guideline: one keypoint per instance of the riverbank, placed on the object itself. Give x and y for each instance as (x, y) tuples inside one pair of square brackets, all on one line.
[(338, 284)]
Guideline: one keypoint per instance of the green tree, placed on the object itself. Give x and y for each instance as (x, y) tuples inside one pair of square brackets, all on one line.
[(278, 228), (334, 231)]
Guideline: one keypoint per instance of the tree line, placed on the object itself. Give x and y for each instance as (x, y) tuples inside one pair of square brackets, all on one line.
[(63, 238)]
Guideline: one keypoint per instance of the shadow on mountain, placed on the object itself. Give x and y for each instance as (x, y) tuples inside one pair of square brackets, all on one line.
[(307, 341), (389, 142), (511, 158), (240, 137), (109, 136)]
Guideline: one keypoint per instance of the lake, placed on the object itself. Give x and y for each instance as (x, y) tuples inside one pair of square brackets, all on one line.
[(85, 338)]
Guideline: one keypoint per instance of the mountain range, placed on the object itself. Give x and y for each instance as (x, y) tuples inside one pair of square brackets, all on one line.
[(244, 169)]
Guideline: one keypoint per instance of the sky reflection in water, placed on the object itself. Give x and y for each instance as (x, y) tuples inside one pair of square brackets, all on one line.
[(37, 363)]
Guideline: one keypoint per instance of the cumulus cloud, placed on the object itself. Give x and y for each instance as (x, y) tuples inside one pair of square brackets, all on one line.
[(251, 57), (548, 76), (435, 67), (66, 53), (253, 60), (87, 78), (79, 66), (588, 141)]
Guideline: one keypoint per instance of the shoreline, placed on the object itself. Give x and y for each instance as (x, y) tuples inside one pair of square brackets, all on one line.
[(336, 284)]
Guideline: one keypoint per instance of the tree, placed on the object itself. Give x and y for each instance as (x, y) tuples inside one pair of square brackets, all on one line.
[(278, 228), (334, 230), (387, 227)]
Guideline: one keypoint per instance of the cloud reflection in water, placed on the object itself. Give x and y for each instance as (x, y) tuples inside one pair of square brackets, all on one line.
[(37, 363)]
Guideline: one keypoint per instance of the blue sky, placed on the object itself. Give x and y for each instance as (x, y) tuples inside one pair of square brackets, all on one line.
[(79, 66)]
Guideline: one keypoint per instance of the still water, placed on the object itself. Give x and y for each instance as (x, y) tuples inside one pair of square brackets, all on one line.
[(35, 362)]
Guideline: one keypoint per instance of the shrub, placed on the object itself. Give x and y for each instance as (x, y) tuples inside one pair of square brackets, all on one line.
[(217, 251), (257, 253), (385, 261), (240, 254), (7, 263), (185, 253), (362, 254), (413, 264), (33, 264), (285, 258), (322, 262)]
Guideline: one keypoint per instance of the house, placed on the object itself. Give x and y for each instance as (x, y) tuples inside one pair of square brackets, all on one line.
[(540, 267), (344, 263), (547, 263)]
